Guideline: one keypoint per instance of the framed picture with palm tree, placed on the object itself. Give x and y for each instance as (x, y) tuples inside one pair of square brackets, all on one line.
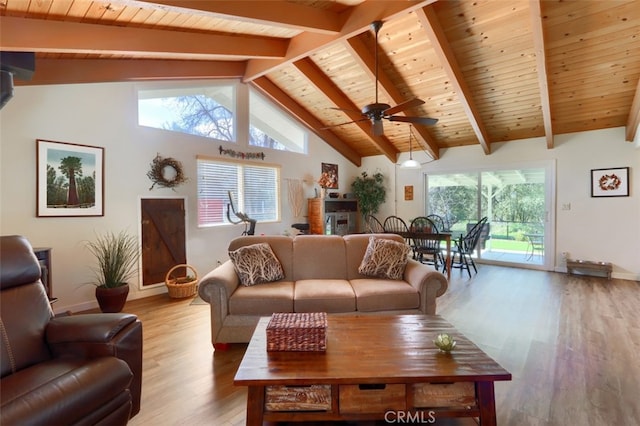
[(70, 179)]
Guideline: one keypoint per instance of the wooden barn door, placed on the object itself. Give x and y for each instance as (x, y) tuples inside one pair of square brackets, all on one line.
[(163, 237)]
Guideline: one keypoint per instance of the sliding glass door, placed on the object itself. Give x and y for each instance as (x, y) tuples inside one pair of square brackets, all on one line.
[(516, 201)]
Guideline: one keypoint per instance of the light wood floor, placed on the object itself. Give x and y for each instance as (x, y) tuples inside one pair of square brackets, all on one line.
[(570, 342)]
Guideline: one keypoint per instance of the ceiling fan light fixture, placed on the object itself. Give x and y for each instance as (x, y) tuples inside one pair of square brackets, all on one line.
[(377, 127), (410, 163)]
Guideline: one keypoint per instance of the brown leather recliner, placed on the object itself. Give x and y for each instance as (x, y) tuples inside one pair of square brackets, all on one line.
[(78, 369)]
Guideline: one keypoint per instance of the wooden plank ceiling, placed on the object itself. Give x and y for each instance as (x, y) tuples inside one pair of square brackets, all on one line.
[(488, 70)]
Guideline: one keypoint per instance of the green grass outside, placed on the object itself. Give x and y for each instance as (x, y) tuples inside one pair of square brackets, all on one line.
[(511, 245)]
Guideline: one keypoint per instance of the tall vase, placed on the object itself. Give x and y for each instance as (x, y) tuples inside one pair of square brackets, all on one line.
[(112, 299), (323, 193)]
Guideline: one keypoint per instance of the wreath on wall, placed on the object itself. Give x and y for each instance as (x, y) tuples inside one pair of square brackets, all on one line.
[(166, 172)]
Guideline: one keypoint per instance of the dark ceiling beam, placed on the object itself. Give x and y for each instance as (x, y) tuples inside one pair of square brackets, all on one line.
[(275, 94), (634, 116), (362, 54), (288, 15), (432, 26), (328, 88), (39, 35), (72, 71), (541, 65), (356, 20)]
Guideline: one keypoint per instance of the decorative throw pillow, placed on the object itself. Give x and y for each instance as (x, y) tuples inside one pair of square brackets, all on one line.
[(256, 264), (384, 259)]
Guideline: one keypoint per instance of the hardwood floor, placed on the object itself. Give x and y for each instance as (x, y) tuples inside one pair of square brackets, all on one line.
[(570, 342)]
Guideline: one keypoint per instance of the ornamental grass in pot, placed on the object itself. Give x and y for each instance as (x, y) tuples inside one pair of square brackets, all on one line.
[(116, 262)]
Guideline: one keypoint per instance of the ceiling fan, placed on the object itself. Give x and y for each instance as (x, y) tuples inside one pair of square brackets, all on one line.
[(376, 112)]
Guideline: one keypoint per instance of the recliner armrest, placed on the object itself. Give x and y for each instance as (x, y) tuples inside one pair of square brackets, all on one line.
[(96, 335), (89, 328)]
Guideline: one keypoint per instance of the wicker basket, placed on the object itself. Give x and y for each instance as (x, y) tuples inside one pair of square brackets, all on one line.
[(305, 331), (179, 287)]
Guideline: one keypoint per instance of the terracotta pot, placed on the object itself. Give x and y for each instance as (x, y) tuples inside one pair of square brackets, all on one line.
[(112, 299)]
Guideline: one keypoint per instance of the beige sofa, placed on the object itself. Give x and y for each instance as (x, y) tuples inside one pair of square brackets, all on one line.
[(320, 275)]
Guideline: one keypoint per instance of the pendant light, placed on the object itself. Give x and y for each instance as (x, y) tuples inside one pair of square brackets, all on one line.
[(410, 163)]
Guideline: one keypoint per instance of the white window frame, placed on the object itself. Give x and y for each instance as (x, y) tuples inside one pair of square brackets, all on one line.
[(238, 188), (277, 125), (550, 203), (147, 91)]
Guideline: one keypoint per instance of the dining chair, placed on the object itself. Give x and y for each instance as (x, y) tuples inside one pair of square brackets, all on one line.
[(465, 246), (438, 221), (423, 246), (373, 225), (536, 245), (396, 225)]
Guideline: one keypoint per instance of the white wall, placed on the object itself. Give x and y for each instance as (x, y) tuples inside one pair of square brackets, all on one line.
[(105, 115), (603, 229)]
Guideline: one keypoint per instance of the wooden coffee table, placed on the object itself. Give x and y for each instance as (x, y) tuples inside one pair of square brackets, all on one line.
[(375, 367)]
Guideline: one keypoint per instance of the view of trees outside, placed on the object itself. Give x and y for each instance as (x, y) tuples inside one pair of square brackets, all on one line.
[(520, 207), (513, 200), (259, 138), (199, 115), (270, 127), (210, 111), (454, 198)]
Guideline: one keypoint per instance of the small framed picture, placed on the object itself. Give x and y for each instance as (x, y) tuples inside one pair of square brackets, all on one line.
[(331, 171), (408, 192), (610, 182), (70, 179)]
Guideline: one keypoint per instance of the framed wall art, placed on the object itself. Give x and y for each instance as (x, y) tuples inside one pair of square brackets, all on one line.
[(408, 192), (610, 182), (331, 171), (69, 179)]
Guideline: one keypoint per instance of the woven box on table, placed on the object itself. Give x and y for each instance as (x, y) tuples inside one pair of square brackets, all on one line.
[(305, 331)]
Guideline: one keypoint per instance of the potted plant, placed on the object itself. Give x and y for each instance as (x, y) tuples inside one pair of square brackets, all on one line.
[(117, 259), (370, 192)]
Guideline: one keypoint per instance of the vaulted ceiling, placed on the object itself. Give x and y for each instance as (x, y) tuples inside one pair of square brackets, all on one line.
[(488, 70)]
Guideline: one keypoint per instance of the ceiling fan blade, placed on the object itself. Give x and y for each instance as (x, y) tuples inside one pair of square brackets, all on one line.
[(342, 124), (376, 111), (377, 127), (425, 121), (412, 103)]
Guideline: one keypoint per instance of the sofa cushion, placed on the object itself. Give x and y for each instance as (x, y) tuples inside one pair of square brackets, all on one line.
[(262, 299), (324, 296), (356, 246), (319, 257), (282, 247), (256, 264), (375, 294), (384, 259)]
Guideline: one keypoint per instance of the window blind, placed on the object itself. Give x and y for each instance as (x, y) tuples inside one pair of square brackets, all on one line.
[(254, 188)]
